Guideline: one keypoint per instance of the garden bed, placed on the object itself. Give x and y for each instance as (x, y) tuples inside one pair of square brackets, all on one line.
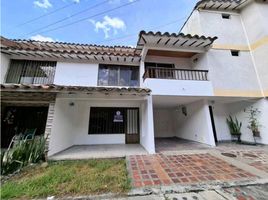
[(68, 178)]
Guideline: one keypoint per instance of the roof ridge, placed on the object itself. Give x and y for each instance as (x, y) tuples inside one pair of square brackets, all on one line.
[(70, 43), (177, 34)]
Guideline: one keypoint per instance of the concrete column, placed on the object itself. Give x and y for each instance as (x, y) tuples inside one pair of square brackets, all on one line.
[(147, 134)]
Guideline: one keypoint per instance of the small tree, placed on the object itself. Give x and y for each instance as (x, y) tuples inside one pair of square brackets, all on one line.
[(253, 123)]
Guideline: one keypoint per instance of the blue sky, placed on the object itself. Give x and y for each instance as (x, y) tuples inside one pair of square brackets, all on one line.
[(108, 22)]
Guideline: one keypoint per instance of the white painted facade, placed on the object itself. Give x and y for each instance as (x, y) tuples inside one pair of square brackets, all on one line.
[(76, 74), (71, 122), (234, 84)]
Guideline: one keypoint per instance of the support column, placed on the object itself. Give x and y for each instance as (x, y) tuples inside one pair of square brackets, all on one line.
[(50, 116)]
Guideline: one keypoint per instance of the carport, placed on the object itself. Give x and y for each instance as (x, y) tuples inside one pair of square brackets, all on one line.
[(182, 122)]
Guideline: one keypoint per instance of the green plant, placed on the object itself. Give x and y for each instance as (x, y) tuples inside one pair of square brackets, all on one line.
[(234, 126), (253, 123), (22, 154)]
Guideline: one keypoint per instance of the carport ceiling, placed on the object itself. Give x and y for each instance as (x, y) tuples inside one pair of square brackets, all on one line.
[(172, 101)]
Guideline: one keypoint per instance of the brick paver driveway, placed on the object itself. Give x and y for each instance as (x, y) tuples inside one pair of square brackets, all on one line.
[(161, 169)]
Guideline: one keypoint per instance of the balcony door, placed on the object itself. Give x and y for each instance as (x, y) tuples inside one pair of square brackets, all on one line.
[(161, 70)]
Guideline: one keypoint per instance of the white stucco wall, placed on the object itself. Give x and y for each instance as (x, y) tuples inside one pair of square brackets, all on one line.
[(70, 125), (192, 26), (232, 72), (196, 125), (76, 74), (222, 111), (228, 31), (163, 126), (258, 12), (179, 87), (255, 12), (4, 66)]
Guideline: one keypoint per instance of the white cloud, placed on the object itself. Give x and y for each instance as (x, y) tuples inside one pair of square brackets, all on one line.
[(43, 4), (42, 38), (109, 24)]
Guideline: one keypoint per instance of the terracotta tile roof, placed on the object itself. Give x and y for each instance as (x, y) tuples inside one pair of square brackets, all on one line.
[(189, 36), (64, 88), (174, 40), (221, 4), (69, 48)]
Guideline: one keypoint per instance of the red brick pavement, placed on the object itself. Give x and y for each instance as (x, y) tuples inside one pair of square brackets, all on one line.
[(160, 169)]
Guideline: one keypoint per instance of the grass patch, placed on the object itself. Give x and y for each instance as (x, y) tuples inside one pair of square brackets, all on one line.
[(69, 178)]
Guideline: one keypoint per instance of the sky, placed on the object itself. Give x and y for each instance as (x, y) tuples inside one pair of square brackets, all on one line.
[(101, 22)]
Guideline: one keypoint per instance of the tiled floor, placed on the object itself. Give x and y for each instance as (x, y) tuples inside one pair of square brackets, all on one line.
[(160, 169), (99, 151), (177, 144)]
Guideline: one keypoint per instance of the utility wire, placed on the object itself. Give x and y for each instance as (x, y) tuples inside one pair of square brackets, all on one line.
[(66, 18), (44, 15), (83, 19)]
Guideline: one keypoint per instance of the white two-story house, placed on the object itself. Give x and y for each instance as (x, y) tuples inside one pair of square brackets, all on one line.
[(180, 85)]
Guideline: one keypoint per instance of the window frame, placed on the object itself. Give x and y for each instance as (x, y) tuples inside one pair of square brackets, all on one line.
[(119, 74), (235, 53), (225, 16)]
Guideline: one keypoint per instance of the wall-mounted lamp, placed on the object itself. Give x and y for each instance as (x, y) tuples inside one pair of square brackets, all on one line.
[(183, 109)]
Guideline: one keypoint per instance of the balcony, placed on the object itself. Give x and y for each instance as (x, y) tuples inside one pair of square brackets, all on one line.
[(178, 74), (177, 82)]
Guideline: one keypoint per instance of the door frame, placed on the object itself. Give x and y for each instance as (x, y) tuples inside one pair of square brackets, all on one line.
[(213, 124), (138, 126)]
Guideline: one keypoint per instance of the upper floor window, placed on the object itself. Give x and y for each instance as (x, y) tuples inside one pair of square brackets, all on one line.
[(225, 16), (115, 75), (31, 72), (234, 52)]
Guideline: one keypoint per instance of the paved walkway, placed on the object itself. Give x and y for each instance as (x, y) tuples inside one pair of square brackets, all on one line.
[(99, 151), (226, 164)]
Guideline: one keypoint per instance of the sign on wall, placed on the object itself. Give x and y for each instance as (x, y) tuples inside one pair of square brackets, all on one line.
[(118, 117)]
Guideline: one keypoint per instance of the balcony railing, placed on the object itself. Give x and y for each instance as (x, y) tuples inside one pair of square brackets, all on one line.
[(177, 74)]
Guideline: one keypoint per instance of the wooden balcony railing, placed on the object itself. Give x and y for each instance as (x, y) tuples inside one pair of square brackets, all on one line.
[(178, 74)]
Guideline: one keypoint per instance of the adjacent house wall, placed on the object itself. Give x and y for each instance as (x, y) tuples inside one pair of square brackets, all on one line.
[(240, 110), (196, 125), (4, 66), (234, 74), (76, 74), (257, 34)]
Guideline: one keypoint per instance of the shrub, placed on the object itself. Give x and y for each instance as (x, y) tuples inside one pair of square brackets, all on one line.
[(234, 126), (23, 153)]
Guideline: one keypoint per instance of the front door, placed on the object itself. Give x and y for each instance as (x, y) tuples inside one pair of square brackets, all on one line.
[(132, 126)]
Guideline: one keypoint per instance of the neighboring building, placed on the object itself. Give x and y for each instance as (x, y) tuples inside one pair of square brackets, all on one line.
[(171, 85)]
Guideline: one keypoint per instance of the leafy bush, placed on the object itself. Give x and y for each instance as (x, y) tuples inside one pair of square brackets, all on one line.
[(234, 126), (22, 154)]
